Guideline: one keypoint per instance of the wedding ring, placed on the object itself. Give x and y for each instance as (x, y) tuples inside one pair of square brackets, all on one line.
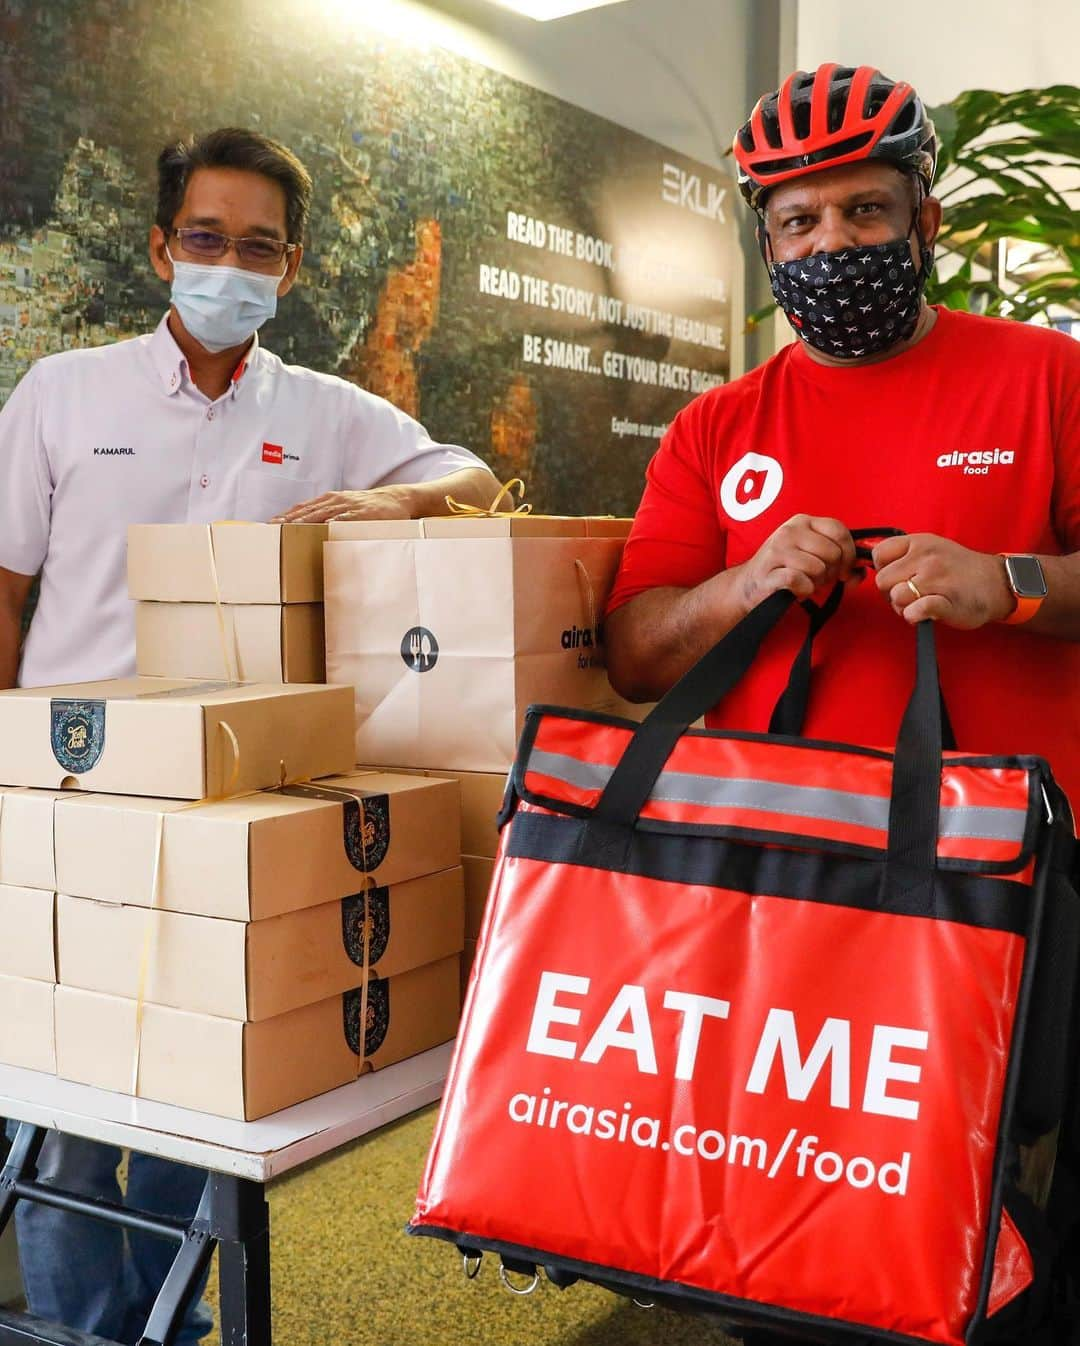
[(914, 588)]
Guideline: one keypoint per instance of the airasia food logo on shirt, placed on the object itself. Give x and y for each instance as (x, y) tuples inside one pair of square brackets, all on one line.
[(751, 486), (272, 453)]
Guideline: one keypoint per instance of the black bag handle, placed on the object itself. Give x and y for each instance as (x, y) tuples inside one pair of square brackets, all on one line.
[(913, 812), (789, 713)]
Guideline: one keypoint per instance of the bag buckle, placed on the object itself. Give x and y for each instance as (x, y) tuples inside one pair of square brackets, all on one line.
[(522, 1290)]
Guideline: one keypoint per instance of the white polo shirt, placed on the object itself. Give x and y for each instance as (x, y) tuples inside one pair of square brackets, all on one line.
[(94, 440)]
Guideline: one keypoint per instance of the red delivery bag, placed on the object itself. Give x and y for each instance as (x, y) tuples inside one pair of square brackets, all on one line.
[(767, 1027)]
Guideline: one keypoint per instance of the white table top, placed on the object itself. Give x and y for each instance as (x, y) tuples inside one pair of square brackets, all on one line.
[(258, 1150)]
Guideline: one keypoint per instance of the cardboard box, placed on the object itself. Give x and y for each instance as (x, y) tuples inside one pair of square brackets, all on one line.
[(525, 525), (255, 562), (481, 798), (26, 836), (220, 1066), (27, 1026), (263, 642), (258, 969), (405, 1014), (368, 530), (474, 526), (170, 737), (478, 871), (27, 948), (247, 1070), (448, 641), (262, 854)]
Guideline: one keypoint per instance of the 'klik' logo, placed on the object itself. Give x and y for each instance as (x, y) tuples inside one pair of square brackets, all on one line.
[(750, 486), (681, 188)]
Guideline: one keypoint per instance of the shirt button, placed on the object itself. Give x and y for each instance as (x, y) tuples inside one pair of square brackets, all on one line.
[(210, 414), (204, 481), (172, 382)]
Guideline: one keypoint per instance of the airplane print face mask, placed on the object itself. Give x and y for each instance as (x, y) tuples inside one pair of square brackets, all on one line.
[(855, 302)]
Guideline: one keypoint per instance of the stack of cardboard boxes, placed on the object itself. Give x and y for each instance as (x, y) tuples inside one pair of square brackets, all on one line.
[(183, 926), (269, 934), (481, 797), (205, 903), (233, 600), (27, 914), (449, 628)]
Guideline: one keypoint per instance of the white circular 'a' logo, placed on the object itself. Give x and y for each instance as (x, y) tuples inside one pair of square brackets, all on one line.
[(750, 486)]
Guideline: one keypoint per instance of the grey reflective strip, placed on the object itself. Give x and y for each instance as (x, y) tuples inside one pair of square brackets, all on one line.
[(799, 801)]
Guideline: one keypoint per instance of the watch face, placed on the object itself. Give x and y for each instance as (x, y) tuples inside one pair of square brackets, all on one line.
[(1026, 576)]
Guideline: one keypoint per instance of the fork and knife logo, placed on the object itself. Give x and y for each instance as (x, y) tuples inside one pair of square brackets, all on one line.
[(419, 649)]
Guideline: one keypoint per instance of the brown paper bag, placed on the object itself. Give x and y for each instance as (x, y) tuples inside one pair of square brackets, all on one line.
[(448, 641)]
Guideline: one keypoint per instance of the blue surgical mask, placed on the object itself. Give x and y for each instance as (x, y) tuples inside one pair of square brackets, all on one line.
[(222, 306)]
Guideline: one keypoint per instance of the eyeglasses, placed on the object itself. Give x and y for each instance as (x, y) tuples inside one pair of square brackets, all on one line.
[(255, 251)]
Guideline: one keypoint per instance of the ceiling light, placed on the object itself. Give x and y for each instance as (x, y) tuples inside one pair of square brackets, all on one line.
[(552, 9)]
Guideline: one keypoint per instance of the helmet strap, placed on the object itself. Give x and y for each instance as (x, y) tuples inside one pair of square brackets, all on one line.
[(763, 239), (926, 252)]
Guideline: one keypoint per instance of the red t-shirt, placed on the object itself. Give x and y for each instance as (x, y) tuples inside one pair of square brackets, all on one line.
[(887, 444)]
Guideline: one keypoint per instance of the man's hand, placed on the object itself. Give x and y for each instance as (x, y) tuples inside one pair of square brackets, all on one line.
[(927, 576), (381, 502), (416, 500), (804, 554)]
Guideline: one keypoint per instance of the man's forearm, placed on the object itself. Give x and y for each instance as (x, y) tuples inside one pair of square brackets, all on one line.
[(652, 640), (1059, 614), (471, 486), (14, 590), (10, 640)]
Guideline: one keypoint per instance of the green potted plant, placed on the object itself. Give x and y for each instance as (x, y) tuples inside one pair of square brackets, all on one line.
[(1010, 242)]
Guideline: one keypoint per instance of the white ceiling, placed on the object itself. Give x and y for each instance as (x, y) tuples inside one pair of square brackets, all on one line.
[(674, 70)]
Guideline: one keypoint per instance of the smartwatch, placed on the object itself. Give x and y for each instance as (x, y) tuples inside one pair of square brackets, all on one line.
[(1025, 577)]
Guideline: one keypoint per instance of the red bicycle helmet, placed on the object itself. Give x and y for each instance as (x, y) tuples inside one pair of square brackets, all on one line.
[(837, 115)]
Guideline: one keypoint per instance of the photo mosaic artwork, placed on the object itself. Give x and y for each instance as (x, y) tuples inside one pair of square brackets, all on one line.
[(525, 278)]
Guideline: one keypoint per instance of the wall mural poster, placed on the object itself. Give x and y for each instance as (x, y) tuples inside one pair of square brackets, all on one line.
[(525, 278)]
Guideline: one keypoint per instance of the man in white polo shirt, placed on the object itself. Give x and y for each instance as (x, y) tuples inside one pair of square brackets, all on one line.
[(192, 423)]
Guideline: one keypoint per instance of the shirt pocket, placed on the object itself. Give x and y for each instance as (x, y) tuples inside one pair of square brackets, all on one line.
[(260, 497)]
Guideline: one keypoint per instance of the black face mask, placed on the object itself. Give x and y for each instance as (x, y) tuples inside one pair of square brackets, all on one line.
[(855, 302)]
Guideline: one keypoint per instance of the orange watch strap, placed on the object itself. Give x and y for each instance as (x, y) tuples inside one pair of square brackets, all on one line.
[(1026, 607)]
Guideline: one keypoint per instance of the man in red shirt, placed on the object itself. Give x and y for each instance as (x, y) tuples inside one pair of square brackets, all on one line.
[(963, 431)]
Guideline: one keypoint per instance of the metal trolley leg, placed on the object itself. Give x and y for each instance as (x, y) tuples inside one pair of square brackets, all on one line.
[(232, 1214), (241, 1224), (192, 1259)]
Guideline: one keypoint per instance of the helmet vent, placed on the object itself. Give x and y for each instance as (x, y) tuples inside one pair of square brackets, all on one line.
[(876, 97), (771, 123), (765, 169), (904, 119)]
